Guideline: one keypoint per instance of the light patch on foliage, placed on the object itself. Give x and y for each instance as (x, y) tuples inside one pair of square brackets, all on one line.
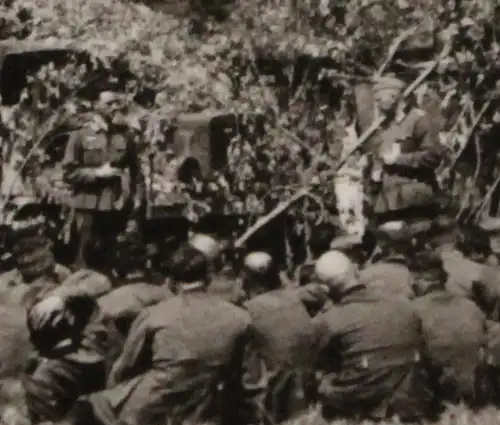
[(349, 187)]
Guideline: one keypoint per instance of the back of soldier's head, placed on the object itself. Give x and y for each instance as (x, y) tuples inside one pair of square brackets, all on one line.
[(337, 270), (260, 270), (474, 243), (188, 265)]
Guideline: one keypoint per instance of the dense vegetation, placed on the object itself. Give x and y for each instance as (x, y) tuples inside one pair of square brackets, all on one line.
[(294, 63)]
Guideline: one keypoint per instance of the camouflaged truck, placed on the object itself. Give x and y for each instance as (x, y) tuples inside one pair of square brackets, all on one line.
[(186, 174)]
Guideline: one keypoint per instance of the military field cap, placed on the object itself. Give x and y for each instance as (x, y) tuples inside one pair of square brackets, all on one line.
[(490, 224), (400, 230), (258, 262), (47, 313), (331, 266), (389, 82), (205, 244)]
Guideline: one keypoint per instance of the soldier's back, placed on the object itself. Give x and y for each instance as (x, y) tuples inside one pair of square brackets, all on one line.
[(462, 273), (387, 279), (454, 330), (201, 327), (450, 320), (284, 338), (370, 324), (283, 326), (379, 343)]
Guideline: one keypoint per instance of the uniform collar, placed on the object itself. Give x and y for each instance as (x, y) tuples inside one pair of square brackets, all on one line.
[(354, 293), (193, 287)]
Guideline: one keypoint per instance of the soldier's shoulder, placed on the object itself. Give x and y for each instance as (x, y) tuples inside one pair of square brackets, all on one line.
[(274, 298), (237, 314), (402, 307)]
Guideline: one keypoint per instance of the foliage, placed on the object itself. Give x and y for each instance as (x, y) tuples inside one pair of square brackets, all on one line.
[(295, 64)]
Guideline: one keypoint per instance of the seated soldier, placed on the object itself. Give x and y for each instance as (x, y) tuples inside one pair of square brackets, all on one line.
[(35, 268), (285, 338), (74, 346), (259, 269), (454, 330), (465, 257), (452, 246), (388, 275), (369, 350), (182, 361)]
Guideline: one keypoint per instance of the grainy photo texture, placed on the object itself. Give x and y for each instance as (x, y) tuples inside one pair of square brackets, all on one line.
[(256, 212)]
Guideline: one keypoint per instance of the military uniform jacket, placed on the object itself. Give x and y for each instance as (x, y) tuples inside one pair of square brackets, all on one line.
[(284, 337), (15, 290), (462, 273), (410, 182), (180, 356), (370, 351), (388, 279), (454, 330), (88, 150)]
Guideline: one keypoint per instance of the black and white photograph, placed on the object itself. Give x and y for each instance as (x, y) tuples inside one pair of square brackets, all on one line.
[(249, 212)]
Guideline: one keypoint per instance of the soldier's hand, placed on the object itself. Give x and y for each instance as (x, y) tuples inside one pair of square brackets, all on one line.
[(107, 170), (391, 155)]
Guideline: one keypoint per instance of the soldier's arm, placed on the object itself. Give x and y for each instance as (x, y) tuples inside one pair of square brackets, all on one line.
[(430, 153), (327, 330), (314, 296), (133, 352), (83, 282), (74, 172)]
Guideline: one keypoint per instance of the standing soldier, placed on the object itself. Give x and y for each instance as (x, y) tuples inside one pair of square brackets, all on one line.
[(404, 152), (103, 170), (454, 330)]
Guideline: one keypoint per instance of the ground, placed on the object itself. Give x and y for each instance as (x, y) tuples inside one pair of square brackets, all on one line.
[(12, 412)]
